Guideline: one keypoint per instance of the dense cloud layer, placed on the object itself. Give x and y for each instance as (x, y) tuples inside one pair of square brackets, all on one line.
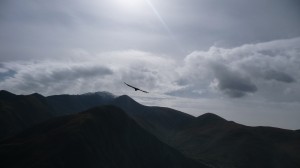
[(251, 68), (264, 70), (87, 73)]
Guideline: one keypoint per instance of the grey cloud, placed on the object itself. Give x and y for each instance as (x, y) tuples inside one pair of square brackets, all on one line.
[(60, 74), (279, 76), (232, 83), (234, 93), (54, 77), (78, 72), (102, 71), (6, 74), (267, 70), (187, 92)]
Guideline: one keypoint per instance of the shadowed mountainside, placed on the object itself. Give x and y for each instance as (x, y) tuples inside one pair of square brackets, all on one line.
[(18, 112), (154, 119), (222, 143), (69, 104), (207, 138), (161, 121), (216, 141), (100, 137)]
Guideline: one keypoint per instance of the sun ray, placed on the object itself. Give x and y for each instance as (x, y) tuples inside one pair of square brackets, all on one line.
[(164, 24)]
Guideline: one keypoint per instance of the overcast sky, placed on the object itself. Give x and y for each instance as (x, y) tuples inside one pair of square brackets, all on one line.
[(239, 59)]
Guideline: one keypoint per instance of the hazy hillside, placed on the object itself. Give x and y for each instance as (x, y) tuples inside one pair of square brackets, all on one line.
[(100, 137)]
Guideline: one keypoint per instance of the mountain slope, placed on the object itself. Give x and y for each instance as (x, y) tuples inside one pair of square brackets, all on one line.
[(162, 122), (227, 144), (100, 137), (207, 138), (18, 112), (69, 104)]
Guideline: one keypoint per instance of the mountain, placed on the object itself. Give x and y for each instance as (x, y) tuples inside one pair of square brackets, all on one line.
[(18, 112), (69, 104), (207, 139), (100, 137), (161, 121), (216, 141), (222, 143)]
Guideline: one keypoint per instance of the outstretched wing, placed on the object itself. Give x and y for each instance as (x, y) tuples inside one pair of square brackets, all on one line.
[(131, 86), (143, 91), (135, 88)]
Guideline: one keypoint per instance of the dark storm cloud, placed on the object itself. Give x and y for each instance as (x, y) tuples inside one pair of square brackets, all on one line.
[(232, 83)]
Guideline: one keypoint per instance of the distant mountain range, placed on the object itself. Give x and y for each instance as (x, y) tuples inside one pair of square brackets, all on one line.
[(102, 130)]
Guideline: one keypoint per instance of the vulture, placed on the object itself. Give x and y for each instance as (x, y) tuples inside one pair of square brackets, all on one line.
[(135, 88)]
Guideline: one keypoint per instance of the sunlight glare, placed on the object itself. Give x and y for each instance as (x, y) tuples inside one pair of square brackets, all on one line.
[(130, 5)]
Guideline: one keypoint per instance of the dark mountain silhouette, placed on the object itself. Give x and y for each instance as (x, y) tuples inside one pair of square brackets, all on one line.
[(162, 122), (227, 144), (18, 112), (100, 137), (216, 141), (207, 138), (207, 119), (69, 104)]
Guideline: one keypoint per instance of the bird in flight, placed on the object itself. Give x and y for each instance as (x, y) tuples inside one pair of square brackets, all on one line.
[(135, 88)]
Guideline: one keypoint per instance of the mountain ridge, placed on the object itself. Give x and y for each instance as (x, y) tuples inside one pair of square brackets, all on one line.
[(207, 138), (100, 137)]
